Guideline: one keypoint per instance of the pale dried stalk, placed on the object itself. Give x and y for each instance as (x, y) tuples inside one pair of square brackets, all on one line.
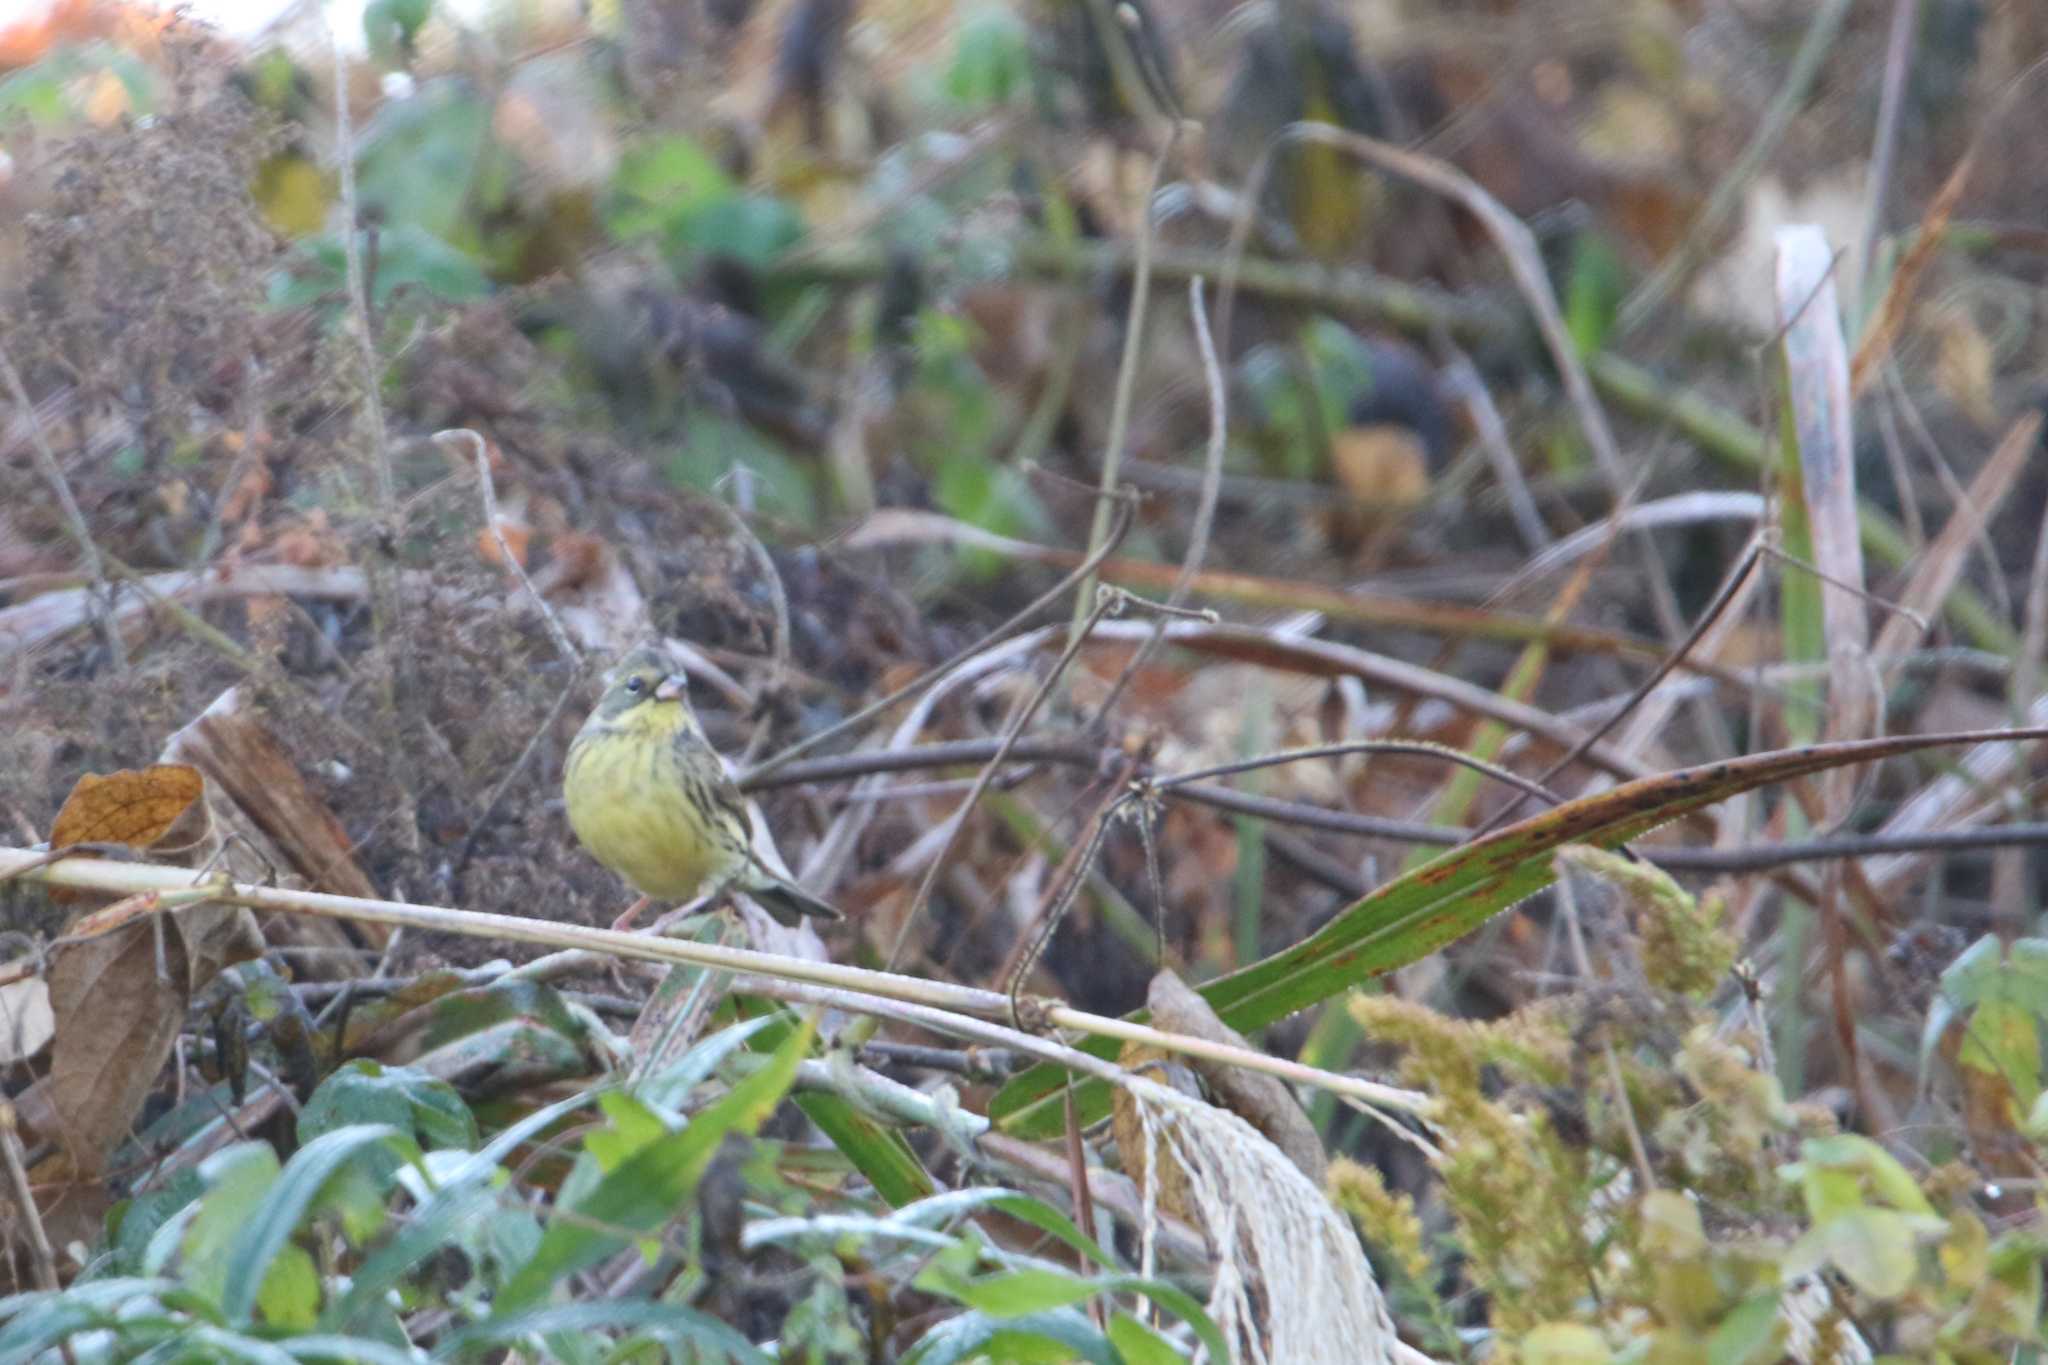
[(141, 878)]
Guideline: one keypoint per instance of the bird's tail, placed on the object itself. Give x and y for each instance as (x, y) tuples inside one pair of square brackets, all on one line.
[(785, 900)]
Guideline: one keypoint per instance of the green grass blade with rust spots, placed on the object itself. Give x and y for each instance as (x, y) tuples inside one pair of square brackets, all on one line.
[(1453, 894)]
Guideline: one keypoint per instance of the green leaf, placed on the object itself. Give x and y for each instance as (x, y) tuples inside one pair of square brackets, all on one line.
[(1051, 1338), (1987, 971), (1451, 895), (1748, 1335), (1018, 1292), (237, 1178), (648, 1189), (1671, 1226), (53, 92), (441, 1222), (714, 444), (408, 1100), (347, 1350), (1564, 1343), (2005, 1041), (1874, 1248), (1856, 1154), (755, 228), (683, 1326), (407, 258), (668, 1088), (991, 59), (1139, 1344), (462, 1211), (883, 1155), (633, 1128), (418, 161), (1046, 1218), (2037, 1118), (390, 26), (659, 184), (290, 1297), (1593, 294), (133, 1222), (285, 1202), (38, 1321)]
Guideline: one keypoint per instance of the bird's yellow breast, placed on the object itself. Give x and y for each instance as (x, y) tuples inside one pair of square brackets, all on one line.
[(628, 799)]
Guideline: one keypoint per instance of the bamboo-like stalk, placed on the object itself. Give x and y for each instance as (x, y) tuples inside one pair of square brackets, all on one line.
[(141, 879)]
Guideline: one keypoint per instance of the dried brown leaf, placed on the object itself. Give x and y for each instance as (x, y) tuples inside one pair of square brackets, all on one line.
[(275, 823), (135, 806), (117, 1017)]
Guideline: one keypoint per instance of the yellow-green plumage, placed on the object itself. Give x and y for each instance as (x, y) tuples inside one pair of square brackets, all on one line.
[(647, 795)]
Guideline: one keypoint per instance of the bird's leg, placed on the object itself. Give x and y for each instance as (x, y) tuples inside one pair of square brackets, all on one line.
[(625, 921)]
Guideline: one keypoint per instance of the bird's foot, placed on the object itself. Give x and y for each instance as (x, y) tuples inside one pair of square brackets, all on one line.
[(625, 921)]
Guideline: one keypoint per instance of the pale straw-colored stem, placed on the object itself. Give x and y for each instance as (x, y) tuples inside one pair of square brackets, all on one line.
[(131, 879)]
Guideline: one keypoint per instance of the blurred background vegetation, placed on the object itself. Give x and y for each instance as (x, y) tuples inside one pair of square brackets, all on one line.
[(806, 331)]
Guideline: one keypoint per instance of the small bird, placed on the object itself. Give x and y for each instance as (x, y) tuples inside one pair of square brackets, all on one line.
[(648, 796)]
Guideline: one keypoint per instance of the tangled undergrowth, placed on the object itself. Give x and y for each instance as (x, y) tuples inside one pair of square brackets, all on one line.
[(964, 358)]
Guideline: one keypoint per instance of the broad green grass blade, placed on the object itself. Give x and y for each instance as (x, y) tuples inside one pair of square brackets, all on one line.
[(1454, 893)]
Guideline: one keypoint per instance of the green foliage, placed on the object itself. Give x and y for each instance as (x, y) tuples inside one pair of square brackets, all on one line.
[(1446, 897), (671, 190), (1303, 392), (55, 93), (991, 62), (714, 446), (408, 258), (659, 184), (646, 1174), (958, 416), (407, 1100), (1999, 994), (1593, 293), (303, 1254), (390, 26), (428, 162), (1763, 1226)]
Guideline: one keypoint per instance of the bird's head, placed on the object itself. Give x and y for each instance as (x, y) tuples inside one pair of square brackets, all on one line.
[(646, 689)]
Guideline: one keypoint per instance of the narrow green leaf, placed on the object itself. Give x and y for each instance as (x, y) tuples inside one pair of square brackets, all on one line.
[(1748, 1335), (1453, 894), (274, 1220), (1046, 1218), (236, 1178), (1052, 1338), (1139, 1344), (881, 1154), (675, 1322), (647, 1189), (1016, 1293)]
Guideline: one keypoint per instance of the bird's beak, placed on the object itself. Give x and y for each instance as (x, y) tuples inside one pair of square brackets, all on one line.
[(675, 687)]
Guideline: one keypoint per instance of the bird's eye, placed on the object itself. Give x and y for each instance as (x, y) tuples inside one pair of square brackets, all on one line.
[(636, 685)]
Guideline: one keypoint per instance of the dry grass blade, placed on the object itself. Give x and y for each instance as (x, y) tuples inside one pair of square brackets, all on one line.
[(1826, 616), (1944, 560), (1891, 316), (898, 526), (1817, 375), (1205, 513)]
